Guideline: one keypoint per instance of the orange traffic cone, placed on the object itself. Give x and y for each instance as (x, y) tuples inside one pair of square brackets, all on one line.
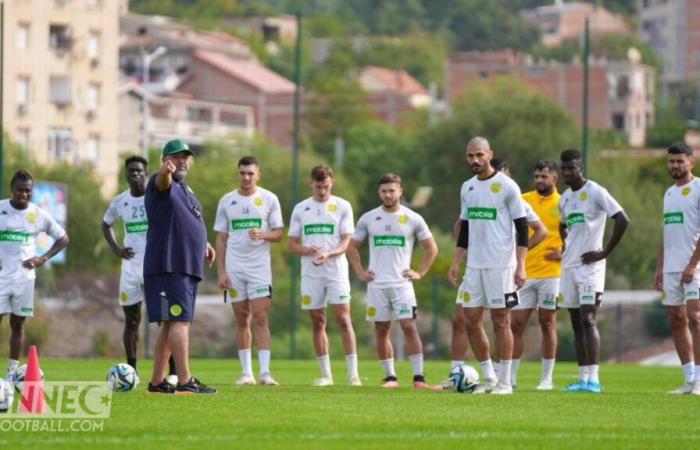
[(33, 401)]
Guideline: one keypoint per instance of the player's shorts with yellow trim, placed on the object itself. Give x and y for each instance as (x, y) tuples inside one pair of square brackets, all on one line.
[(386, 303), (17, 297), (539, 293), (130, 287), (318, 292), (582, 285), (676, 293), (249, 285), (488, 288)]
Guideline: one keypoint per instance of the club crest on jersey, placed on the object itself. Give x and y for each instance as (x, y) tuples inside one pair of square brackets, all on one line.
[(685, 192), (496, 188), (31, 217), (332, 207), (258, 201), (583, 197), (403, 219)]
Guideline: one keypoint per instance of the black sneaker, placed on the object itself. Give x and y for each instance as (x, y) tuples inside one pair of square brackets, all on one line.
[(161, 388), (194, 386), (419, 382), (390, 382)]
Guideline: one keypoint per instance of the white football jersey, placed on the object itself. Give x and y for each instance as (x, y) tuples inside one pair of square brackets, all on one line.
[(391, 237), (323, 225), (681, 224), (18, 232), (238, 214), (491, 206), (132, 212), (584, 213)]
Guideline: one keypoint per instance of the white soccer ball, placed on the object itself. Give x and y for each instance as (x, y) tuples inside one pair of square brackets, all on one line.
[(464, 378), (19, 375), (7, 395), (122, 378)]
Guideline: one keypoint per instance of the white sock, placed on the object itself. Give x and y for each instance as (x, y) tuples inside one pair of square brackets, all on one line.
[(456, 363), (504, 375), (697, 373), (547, 369), (689, 371), (325, 363), (514, 366), (487, 369), (583, 373), (246, 358), (417, 363), (497, 368), (388, 366), (593, 373), (264, 360), (12, 365), (351, 361)]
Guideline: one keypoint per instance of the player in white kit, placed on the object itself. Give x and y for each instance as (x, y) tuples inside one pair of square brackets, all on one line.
[(320, 231), (129, 208), (677, 272), (491, 209), (391, 230), (248, 219), (583, 210), (20, 223)]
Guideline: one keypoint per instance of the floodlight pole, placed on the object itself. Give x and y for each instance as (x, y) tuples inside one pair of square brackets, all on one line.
[(294, 272), (2, 96), (586, 51)]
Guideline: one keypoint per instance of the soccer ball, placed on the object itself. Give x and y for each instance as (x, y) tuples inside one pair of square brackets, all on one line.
[(122, 378), (7, 395), (20, 373), (464, 378)]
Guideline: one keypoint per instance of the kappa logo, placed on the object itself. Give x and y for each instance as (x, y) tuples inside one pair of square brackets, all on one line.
[(377, 218), (4, 213), (233, 202), (307, 208), (471, 188), (126, 204)]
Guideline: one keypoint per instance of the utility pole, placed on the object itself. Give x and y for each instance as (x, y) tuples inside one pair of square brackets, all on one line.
[(586, 51), (294, 272), (2, 94)]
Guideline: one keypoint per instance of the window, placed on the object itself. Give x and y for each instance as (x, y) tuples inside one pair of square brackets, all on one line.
[(93, 45), (22, 95), (94, 3), (618, 121), (22, 35), (92, 149), (22, 137), (60, 90), (93, 98), (60, 143), (60, 38)]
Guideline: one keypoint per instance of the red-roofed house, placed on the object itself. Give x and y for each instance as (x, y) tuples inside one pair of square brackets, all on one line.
[(392, 92), (219, 77)]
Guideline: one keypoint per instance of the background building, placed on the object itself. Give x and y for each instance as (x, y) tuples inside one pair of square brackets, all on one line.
[(60, 90)]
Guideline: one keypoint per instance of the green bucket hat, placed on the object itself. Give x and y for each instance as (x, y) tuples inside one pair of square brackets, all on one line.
[(176, 146)]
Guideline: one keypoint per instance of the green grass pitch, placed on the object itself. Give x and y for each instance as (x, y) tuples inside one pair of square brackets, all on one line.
[(634, 412)]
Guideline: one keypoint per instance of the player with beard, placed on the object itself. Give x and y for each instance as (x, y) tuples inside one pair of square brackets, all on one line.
[(392, 230), (490, 208), (583, 209), (677, 273), (543, 268)]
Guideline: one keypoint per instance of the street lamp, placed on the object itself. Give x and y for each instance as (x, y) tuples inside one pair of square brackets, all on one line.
[(147, 59)]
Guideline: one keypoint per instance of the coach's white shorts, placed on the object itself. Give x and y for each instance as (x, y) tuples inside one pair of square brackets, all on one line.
[(17, 298), (249, 286), (488, 288), (130, 286), (391, 303), (676, 293), (539, 293), (582, 285), (317, 292)]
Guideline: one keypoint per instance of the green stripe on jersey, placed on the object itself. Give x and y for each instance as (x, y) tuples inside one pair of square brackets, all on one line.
[(389, 241), (673, 217), (482, 213), (19, 237), (574, 218), (136, 227), (246, 224), (319, 228)]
